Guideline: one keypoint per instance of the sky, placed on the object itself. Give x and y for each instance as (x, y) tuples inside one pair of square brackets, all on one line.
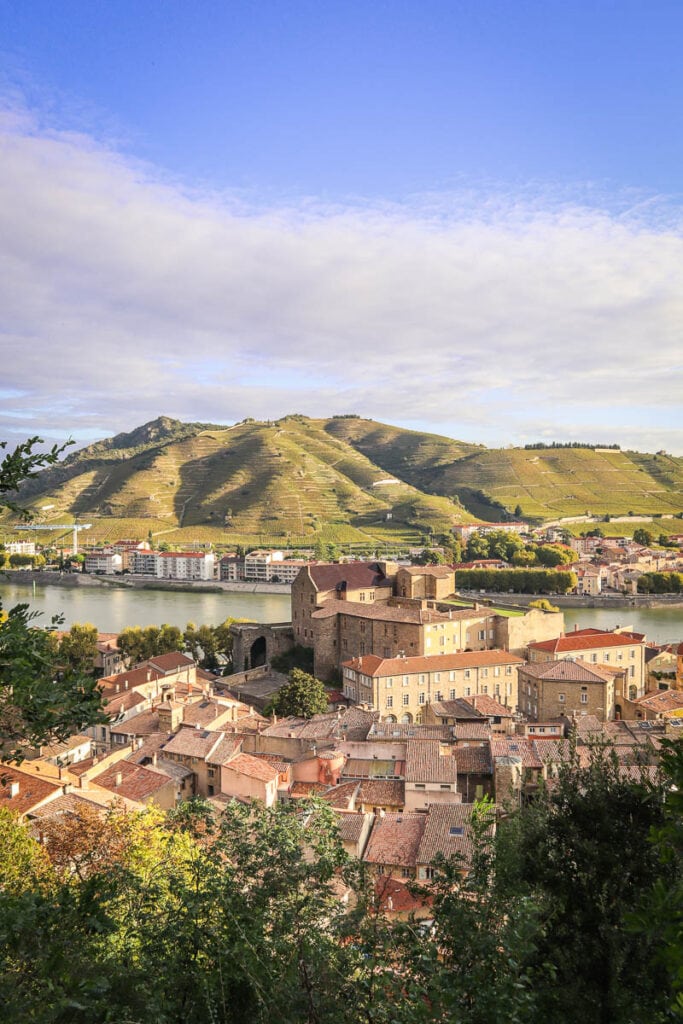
[(463, 216)]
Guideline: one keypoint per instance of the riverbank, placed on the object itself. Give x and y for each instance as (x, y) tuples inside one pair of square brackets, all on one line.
[(41, 578), (610, 601)]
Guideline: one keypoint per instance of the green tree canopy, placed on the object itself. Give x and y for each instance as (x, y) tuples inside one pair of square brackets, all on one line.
[(303, 696)]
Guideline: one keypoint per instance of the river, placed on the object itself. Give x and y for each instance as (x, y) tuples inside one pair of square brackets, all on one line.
[(111, 609)]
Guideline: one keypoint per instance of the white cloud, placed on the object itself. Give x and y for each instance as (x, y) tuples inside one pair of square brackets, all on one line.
[(124, 295)]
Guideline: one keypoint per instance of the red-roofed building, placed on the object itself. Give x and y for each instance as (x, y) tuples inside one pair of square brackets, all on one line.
[(623, 651), (404, 689)]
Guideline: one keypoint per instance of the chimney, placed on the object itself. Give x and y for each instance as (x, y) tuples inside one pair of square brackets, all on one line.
[(149, 675), (83, 782), (118, 779), (125, 683), (155, 758), (13, 789)]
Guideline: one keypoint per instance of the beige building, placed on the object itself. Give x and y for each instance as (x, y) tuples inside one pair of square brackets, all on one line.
[(548, 689), (623, 651), (425, 582), (401, 689)]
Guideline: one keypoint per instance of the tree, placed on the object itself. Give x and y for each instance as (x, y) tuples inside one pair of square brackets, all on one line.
[(78, 648), (38, 705), (643, 536), (303, 696), (582, 854)]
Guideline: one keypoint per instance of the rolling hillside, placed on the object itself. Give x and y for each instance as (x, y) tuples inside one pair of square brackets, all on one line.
[(344, 479)]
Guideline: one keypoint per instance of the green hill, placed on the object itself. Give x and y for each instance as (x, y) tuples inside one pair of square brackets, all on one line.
[(345, 479)]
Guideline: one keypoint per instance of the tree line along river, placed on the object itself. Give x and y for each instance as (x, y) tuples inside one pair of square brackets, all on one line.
[(112, 609)]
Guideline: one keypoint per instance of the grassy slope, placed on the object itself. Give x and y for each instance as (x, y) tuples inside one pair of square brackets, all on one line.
[(297, 479)]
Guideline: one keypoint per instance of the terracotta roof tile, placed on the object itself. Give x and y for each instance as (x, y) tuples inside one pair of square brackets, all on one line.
[(373, 665), (473, 760), (252, 767), (347, 576), (395, 839), (30, 791), (136, 782), (586, 640), (448, 832), (425, 763)]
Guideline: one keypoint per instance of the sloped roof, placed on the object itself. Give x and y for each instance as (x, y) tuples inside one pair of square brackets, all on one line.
[(563, 669), (473, 760), (373, 665), (395, 839), (347, 575), (426, 763), (587, 640), (137, 782), (448, 831), (32, 791), (488, 706), (253, 767)]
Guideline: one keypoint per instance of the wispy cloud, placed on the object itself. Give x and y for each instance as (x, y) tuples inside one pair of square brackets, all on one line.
[(488, 315)]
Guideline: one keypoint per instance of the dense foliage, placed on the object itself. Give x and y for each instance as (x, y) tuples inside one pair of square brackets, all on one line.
[(519, 581), (303, 696), (40, 701), (572, 913), (660, 583)]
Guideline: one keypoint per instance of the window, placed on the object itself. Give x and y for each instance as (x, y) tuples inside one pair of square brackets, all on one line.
[(421, 698), (484, 673), (606, 655), (484, 688), (508, 670), (467, 673), (451, 677), (442, 640), (481, 635), (423, 679), (594, 657), (420, 785), (451, 694), (362, 595), (467, 691), (584, 698), (389, 683), (211, 773), (438, 695), (456, 830), (406, 680), (406, 700), (561, 698), (496, 671), (437, 677), (444, 785), (390, 701), (362, 627)]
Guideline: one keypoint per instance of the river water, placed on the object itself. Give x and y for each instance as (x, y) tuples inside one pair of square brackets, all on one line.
[(113, 609)]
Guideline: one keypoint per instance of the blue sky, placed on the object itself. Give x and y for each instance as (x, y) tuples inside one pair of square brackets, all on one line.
[(464, 216)]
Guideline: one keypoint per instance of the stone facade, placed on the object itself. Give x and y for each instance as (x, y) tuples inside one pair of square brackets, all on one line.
[(361, 582), (568, 688), (402, 689), (515, 632), (255, 644), (341, 630)]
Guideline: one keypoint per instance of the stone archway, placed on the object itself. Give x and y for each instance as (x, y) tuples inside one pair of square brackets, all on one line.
[(258, 652), (255, 644)]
